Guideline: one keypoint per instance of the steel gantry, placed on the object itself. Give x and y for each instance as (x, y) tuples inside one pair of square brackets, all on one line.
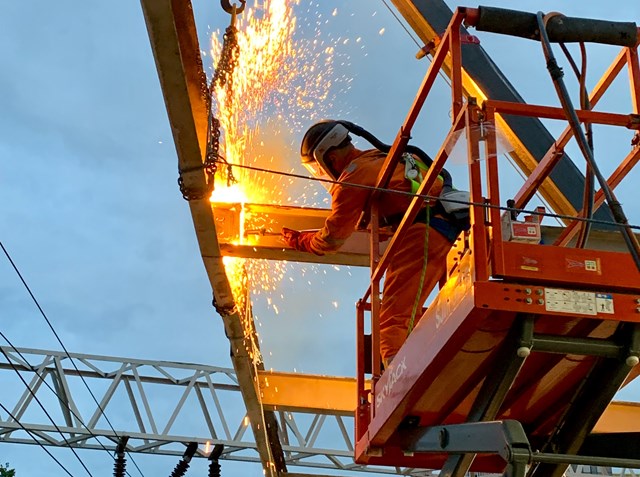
[(162, 406)]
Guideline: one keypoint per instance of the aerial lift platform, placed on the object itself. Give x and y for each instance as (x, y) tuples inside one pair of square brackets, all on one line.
[(526, 343), (484, 320)]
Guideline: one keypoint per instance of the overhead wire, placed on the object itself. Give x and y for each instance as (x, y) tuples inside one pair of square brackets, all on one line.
[(431, 197), (43, 380), (40, 309), (401, 24), (35, 439), (44, 409)]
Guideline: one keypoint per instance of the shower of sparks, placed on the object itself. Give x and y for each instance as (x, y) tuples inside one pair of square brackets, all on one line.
[(280, 84)]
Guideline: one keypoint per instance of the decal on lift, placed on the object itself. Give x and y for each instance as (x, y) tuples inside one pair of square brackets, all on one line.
[(529, 264), (583, 265), (604, 303), (570, 301), (396, 374)]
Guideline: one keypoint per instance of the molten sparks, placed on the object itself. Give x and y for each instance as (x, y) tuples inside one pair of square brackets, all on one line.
[(229, 194), (279, 84)]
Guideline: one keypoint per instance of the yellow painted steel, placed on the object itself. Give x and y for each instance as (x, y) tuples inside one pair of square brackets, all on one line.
[(308, 393), (337, 396), (264, 241), (620, 416)]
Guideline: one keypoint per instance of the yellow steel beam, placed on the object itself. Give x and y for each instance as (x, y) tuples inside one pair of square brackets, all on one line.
[(253, 231), (620, 416), (308, 393), (337, 396), (289, 474)]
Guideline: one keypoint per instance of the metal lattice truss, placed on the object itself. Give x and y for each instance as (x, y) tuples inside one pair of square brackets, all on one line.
[(161, 406)]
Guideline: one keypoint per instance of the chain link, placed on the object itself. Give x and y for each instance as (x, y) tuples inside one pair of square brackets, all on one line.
[(222, 76)]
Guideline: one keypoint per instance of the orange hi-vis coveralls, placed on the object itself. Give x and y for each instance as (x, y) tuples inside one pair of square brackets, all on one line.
[(402, 279)]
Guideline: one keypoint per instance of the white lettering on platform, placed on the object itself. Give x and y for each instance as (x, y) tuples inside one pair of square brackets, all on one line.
[(394, 377)]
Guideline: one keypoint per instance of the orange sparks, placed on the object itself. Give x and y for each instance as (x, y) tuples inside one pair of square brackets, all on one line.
[(277, 84)]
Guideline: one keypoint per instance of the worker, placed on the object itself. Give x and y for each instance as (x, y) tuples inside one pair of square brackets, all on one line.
[(327, 152)]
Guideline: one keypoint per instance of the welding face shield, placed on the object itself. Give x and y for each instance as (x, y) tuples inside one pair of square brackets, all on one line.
[(317, 142)]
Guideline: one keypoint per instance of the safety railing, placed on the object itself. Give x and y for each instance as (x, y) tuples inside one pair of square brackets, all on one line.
[(484, 241)]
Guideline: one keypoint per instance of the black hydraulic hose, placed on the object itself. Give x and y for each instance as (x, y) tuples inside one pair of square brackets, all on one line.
[(588, 195), (560, 28), (616, 209), (410, 148), (587, 207), (589, 183)]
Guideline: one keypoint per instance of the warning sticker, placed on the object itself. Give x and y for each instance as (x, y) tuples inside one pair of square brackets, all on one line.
[(604, 303), (571, 301), (588, 265)]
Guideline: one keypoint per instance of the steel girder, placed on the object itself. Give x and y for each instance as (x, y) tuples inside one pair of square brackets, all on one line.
[(174, 42)]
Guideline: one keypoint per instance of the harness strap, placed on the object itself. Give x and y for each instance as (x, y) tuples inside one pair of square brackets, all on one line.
[(417, 302), (413, 169)]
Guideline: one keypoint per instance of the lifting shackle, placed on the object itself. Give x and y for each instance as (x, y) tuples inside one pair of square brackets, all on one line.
[(232, 9)]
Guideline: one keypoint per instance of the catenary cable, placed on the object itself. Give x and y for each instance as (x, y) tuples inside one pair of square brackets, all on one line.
[(431, 197), (36, 440), (44, 409), (404, 27), (35, 301), (401, 24), (42, 379)]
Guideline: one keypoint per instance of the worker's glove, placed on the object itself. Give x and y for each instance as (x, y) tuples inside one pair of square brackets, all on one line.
[(299, 240)]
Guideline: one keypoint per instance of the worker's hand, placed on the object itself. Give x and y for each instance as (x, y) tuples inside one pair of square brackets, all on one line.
[(299, 240)]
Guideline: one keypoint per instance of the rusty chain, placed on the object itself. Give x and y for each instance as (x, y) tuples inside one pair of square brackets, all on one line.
[(222, 76)]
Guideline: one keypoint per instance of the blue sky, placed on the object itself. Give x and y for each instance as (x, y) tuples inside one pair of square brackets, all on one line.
[(94, 220)]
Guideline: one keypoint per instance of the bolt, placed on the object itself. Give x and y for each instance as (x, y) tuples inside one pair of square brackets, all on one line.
[(540, 291), (528, 301), (527, 291), (632, 361), (523, 351), (540, 301)]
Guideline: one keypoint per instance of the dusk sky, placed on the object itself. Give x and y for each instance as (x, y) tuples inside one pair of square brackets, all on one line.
[(93, 218)]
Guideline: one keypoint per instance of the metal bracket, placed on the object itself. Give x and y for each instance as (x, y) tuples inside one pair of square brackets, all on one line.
[(504, 438)]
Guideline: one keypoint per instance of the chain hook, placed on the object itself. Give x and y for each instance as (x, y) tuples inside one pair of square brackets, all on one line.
[(232, 9)]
